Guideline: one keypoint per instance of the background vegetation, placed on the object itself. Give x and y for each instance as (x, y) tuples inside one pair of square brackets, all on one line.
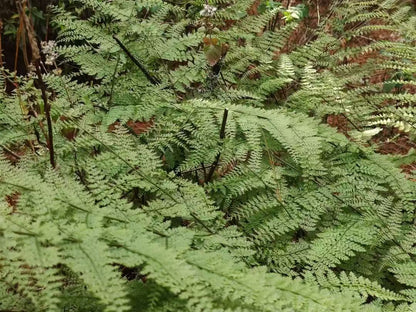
[(207, 155)]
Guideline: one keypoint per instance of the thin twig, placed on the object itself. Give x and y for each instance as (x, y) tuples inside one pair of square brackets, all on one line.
[(10, 152), (222, 136), (202, 167), (113, 80), (152, 79), (1, 50), (318, 13), (47, 108), (204, 171), (31, 37)]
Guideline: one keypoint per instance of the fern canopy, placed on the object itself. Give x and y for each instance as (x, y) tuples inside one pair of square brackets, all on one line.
[(195, 171)]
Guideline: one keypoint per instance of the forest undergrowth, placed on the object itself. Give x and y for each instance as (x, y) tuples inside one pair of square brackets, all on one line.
[(245, 155)]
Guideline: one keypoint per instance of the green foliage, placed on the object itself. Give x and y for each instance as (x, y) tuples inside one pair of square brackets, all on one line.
[(203, 179)]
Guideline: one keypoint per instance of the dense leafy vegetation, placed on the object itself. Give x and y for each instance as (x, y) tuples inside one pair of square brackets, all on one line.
[(175, 156)]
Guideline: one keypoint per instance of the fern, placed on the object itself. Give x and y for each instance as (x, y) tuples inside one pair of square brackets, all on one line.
[(194, 170)]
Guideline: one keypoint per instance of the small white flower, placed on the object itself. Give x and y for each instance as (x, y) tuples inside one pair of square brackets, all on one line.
[(31, 71), (48, 49), (208, 10)]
